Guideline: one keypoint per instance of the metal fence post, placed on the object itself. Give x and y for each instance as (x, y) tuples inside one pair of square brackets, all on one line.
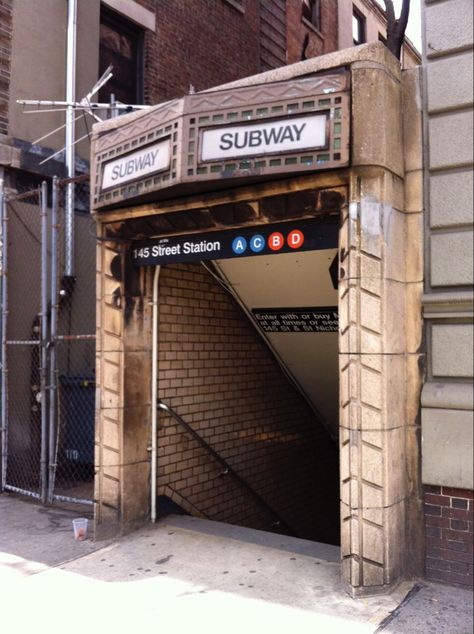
[(44, 341), (53, 387), (3, 349)]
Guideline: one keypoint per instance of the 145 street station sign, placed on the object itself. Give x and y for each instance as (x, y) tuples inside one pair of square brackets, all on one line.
[(305, 235)]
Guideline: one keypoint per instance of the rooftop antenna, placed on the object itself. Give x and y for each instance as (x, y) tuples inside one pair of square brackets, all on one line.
[(83, 107)]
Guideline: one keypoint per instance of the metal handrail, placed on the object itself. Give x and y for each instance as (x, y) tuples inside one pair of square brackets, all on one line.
[(227, 468)]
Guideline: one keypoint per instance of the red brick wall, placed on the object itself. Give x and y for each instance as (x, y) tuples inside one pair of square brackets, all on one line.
[(449, 534), (324, 41), (5, 59), (199, 42), (272, 34), (216, 372)]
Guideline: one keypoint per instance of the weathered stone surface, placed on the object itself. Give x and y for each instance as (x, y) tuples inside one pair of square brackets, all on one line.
[(451, 198), (413, 192), (110, 462), (376, 139), (110, 435), (448, 447), (380, 378), (447, 89), (136, 492), (110, 492), (452, 350), (412, 120), (444, 395), (450, 140), (414, 255), (111, 376), (372, 182), (452, 258), (447, 28), (396, 561)]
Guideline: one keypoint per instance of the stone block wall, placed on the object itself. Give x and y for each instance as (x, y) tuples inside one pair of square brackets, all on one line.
[(449, 516), (447, 397), (380, 284), (216, 372)]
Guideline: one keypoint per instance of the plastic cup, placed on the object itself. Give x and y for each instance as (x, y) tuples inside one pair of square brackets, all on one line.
[(80, 528)]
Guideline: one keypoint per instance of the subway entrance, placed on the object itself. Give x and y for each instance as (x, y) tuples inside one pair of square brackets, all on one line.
[(247, 376), (242, 354)]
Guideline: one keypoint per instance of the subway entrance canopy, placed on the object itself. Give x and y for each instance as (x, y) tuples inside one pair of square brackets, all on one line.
[(208, 141), (317, 163)]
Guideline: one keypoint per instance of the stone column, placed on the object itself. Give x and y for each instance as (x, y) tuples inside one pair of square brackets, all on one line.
[(380, 322), (123, 413)]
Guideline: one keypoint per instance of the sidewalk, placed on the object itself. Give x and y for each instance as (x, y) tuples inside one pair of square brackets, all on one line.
[(185, 574)]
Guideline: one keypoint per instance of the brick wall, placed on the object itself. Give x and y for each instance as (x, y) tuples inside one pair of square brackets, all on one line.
[(272, 34), (5, 59), (320, 42), (449, 534), (216, 372), (201, 43)]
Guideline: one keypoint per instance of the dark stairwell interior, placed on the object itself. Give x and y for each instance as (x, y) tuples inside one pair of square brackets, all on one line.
[(216, 372)]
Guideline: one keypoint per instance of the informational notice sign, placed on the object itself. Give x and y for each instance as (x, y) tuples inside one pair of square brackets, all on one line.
[(315, 319), (269, 137), (287, 237), (143, 162)]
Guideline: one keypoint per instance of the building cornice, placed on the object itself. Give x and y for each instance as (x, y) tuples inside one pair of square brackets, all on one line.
[(453, 304)]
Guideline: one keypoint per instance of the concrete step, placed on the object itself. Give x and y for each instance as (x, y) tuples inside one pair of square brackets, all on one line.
[(324, 552)]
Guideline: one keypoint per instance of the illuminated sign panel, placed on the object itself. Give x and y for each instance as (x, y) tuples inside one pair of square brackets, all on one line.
[(143, 162), (270, 137)]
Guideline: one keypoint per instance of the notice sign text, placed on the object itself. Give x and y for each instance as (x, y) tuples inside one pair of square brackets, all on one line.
[(130, 167), (283, 135), (316, 319)]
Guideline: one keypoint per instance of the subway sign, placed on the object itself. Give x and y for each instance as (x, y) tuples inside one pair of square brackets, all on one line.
[(273, 239), (131, 167), (282, 135)]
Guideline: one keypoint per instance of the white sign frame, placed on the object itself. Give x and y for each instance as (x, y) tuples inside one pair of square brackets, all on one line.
[(306, 132), (133, 166)]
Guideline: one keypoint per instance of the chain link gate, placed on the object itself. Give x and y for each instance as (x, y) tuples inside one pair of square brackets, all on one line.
[(48, 344)]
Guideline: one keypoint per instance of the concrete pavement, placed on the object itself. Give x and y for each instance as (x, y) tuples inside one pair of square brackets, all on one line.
[(186, 574)]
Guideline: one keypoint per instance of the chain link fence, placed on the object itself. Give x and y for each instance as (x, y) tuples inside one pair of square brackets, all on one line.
[(48, 342), (75, 351), (21, 341)]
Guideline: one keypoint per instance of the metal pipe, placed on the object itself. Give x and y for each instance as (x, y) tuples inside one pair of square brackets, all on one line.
[(44, 342), (52, 338), (66, 498), (76, 337), (154, 393), (79, 105), (31, 494), (4, 313), (70, 134), (227, 468)]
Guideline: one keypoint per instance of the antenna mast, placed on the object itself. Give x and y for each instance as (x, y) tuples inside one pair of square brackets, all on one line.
[(70, 134)]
